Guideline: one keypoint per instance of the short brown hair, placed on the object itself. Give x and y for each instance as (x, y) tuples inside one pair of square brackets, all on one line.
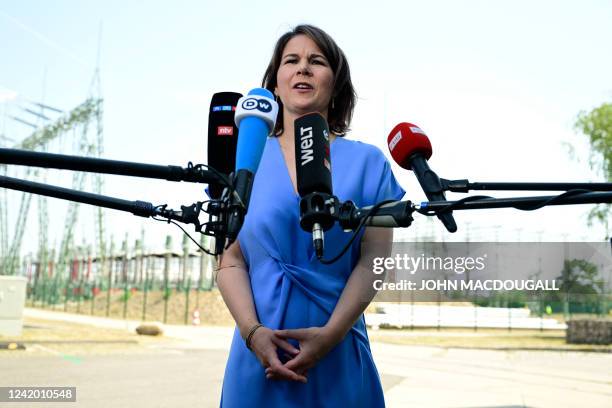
[(343, 94)]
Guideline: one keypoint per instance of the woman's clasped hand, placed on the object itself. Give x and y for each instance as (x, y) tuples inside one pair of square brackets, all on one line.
[(294, 363)]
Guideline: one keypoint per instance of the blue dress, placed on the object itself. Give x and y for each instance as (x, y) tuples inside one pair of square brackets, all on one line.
[(292, 290)]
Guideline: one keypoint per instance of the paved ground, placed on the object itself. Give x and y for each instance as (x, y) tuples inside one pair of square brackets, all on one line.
[(457, 378), (190, 374)]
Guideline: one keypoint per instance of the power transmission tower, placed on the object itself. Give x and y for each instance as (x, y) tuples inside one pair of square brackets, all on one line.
[(98, 180), (80, 116)]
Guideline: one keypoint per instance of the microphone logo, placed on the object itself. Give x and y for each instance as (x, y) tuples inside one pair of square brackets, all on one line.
[(395, 140), (306, 145), (225, 130), (261, 105), (416, 129), (224, 108)]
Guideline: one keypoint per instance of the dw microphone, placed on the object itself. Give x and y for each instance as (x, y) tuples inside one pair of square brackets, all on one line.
[(255, 118)]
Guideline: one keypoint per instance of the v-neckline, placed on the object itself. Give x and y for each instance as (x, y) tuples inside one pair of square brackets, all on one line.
[(287, 173), (286, 166)]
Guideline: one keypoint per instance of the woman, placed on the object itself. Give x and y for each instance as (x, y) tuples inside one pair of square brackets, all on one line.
[(300, 338)]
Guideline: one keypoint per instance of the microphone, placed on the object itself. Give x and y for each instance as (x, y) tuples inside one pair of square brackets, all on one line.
[(255, 118), (313, 174), (222, 137), (222, 140), (410, 148)]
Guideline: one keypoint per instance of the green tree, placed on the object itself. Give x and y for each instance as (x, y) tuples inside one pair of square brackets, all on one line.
[(597, 126), (579, 276), (580, 288)]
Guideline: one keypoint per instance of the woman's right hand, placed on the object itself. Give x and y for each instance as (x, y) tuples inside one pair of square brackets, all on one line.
[(265, 344)]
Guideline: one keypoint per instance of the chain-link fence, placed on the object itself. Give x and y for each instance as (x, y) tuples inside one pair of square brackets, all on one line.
[(167, 287)]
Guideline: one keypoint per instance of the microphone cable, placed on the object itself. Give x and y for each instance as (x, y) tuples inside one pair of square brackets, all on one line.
[(226, 182), (522, 207), (371, 212)]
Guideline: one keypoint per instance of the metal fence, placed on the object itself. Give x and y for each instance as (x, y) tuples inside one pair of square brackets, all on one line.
[(142, 286)]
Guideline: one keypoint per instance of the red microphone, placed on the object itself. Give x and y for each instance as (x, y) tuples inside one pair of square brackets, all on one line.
[(410, 148)]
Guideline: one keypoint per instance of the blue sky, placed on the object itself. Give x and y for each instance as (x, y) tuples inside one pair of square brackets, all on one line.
[(495, 84)]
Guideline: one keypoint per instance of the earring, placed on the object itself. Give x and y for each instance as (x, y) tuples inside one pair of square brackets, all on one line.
[(332, 104)]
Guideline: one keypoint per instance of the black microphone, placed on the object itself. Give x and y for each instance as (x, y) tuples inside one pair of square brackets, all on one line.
[(313, 174), (222, 141), (410, 148), (222, 136)]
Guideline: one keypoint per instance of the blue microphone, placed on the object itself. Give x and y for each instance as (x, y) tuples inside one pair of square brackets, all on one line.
[(255, 118)]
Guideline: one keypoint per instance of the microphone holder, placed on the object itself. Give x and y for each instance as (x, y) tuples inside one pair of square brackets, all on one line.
[(464, 186), (320, 208), (388, 214), (193, 174), (521, 203), (349, 217), (317, 215), (188, 214), (392, 214), (315, 208)]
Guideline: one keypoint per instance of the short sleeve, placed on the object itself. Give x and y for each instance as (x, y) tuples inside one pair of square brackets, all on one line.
[(379, 182), (388, 187)]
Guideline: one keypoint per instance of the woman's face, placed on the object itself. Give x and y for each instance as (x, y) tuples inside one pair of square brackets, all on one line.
[(304, 81)]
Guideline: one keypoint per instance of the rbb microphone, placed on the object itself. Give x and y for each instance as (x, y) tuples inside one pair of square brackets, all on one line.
[(410, 148), (313, 173), (255, 118), (222, 136)]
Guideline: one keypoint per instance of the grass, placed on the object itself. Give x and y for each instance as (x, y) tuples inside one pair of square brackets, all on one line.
[(214, 312), (483, 338), (70, 340)]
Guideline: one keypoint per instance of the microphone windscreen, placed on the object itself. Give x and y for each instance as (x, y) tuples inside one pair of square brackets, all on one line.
[(255, 117), (312, 158), (222, 136), (406, 140)]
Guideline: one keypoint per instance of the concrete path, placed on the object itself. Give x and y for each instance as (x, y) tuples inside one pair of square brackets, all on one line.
[(190, 374), (459, 378)]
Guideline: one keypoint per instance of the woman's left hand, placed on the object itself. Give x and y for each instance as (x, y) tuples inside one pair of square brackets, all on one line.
[(315, 343)]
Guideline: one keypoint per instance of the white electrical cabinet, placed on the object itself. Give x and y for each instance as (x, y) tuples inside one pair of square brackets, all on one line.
[(12, 301)]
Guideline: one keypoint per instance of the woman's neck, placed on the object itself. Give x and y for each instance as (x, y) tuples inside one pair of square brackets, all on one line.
[(287, 138)]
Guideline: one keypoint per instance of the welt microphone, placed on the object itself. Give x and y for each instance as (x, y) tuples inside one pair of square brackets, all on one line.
[(255, 118), (410, 148), (222, 140), (313, 174)]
